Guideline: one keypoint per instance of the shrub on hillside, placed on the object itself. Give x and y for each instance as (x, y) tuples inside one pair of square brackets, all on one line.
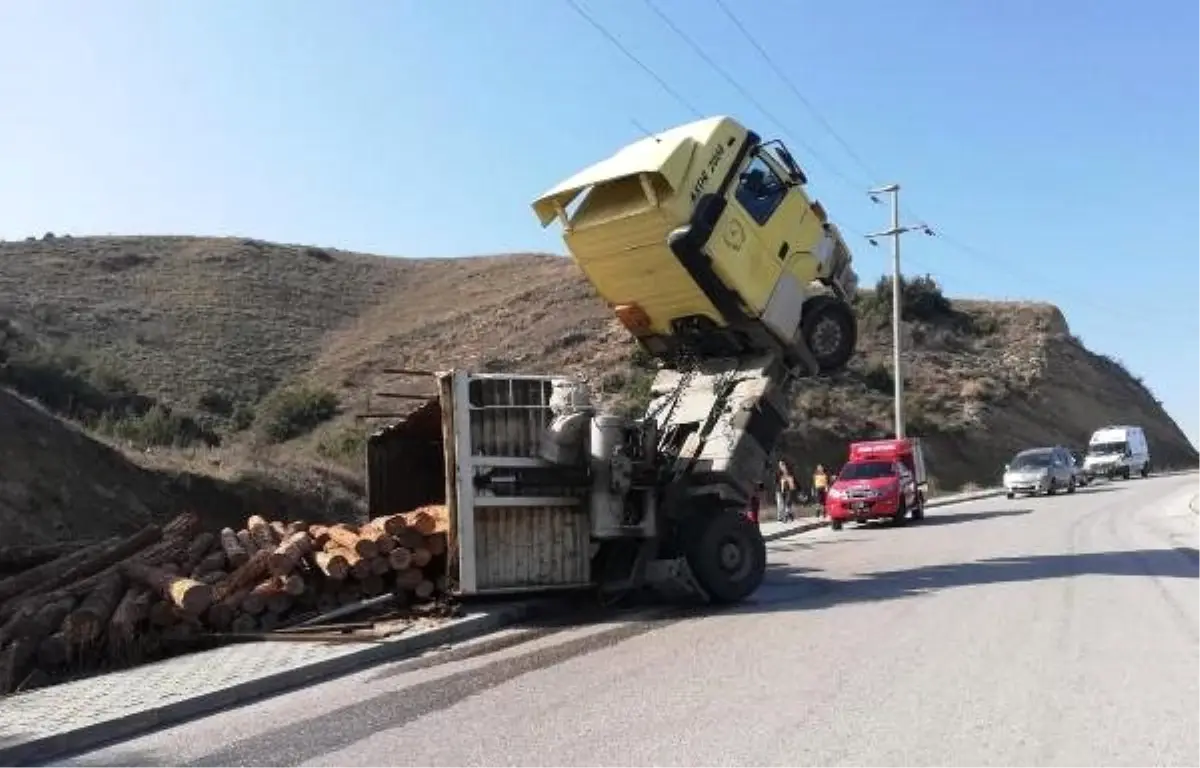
[(878, 377), (296, 411), (921, 297), (159, 426)]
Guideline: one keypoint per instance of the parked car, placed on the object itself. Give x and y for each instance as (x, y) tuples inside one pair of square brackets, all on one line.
[(1040, 470), (1119, 451), (1081, 476)]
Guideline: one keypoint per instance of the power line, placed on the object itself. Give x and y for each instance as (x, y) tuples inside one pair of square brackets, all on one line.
[(796, 91), (645, 67), (699, 51)]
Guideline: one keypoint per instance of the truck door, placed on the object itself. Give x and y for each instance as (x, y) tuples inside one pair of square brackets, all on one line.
[(746, 247)]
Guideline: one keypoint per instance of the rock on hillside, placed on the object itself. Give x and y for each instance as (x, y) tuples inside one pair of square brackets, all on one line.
[(182, 341)]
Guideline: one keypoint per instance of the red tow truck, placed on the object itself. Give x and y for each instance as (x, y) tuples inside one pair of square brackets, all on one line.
[(881, 479)]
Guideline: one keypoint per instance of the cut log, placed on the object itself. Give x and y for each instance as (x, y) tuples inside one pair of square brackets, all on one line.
[(392, 525), (279, 531), (245, 577), (221, 615), (319, 534), (199, 548), (294, 585), (53, 651), (17, 661), (424, 590), (49, 576), (350, 540), (436, 544), (409, 578), (361, 569), (380, 565), (247, 541), (376, 534), (133, 609), (190, 596), (256, 601), (213, 578), (296, 526), (421, 557), (85, 624), (428, 519), (235, 553), (163, 614), (333, 564), (213, 561), (410, 539), (269, 621), (326, 602), (21, 557), (350, 592), (279, 602), (400, 558), (261, 533), (372, 585), (244, 623), (288, 554)]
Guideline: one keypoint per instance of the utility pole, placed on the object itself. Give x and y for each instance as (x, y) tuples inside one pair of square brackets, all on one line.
[(894, 232)]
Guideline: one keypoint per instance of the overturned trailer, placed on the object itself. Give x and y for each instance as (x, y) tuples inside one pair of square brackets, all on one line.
[(547, 492)]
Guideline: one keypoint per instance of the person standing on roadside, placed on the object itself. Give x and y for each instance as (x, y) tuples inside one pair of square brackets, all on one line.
[(820, 485), (785, 491)]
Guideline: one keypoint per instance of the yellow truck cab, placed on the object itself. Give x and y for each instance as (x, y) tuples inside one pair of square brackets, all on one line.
[(702, 240)]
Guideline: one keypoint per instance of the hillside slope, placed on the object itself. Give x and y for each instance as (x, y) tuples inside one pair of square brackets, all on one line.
[(182, 350)]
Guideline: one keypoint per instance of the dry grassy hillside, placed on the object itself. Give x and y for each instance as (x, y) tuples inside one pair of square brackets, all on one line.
[(237, 367)]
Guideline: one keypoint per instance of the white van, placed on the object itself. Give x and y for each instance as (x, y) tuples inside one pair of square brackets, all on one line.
[(1117, 451)]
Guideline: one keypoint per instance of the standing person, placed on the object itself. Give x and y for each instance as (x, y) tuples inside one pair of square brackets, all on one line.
[(820, 485), (785, 491)]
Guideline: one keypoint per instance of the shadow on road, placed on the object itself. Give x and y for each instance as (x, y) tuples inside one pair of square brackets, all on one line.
[(952, 518), (790, 588)]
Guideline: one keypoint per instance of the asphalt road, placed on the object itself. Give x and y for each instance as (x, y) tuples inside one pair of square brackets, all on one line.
[(1047, 631)]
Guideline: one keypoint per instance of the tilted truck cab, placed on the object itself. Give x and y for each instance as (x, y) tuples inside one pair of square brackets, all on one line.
[(702, 240)]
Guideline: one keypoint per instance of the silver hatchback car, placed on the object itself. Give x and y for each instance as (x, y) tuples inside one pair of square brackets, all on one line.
[(1040, 470)]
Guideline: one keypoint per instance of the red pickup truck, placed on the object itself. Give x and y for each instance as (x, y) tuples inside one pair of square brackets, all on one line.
[(881, 479)]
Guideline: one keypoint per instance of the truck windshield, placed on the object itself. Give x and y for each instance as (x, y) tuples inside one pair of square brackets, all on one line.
[(760, 190), (867, 470), (1100, 449), (1031, 460)]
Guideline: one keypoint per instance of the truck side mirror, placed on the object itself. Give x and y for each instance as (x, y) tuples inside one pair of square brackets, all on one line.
[(790, 162), (1005, 467)]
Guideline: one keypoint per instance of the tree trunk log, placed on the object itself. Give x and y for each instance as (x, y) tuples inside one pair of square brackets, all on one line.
[(436, 544), (424, 590), (333, 564), (22, 557), (190, 596), (428, 519), (409, 578), (244, 624), (348, 539), (133, 609), (244, 577), (213, 578), (235, 553), (53, 651), (361, 569), (319, 534), (294, 585), (247, 541), (372, 585), (421, 557), (392, 525), (84, 625), (400, 558), (380, 565), (213, 561), (289, 553), (198, 549), (65, 570), (261, 533)]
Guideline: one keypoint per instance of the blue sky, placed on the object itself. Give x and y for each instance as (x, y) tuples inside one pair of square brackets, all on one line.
[(1053, 144)]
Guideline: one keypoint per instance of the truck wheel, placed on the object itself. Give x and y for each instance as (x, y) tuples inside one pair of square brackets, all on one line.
[(728, 556), (1011, 495), (830, 330), (1125, 473), (1146, 470)]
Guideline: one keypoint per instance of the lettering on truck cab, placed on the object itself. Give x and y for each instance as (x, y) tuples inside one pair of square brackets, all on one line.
[(702, 180)]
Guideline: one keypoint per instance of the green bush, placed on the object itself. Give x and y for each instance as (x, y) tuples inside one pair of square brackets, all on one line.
[(159, 426), (878, 377), (921, 297), (216, 401), (296, 411), (347, 445)]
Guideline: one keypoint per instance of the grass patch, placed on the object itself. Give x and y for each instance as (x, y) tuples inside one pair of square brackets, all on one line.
[(296, 411), (346, 446)]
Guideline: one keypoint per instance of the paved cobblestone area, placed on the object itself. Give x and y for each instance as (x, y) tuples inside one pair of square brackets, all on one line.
[(111, 696)]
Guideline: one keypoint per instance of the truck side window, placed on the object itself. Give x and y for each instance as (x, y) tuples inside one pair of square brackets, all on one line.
[(760, 191)]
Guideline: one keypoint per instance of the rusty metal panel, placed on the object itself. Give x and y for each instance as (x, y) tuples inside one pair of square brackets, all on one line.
[(405, 464), (524, 547)]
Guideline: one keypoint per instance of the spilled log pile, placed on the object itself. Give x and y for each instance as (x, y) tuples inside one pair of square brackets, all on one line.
[(167, 588)]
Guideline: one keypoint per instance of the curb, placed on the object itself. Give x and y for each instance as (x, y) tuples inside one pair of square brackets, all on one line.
[(812, 526), (53, 746)]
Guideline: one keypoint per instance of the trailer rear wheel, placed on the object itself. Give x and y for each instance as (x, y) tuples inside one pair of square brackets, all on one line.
[(830, 330), (727, 555)]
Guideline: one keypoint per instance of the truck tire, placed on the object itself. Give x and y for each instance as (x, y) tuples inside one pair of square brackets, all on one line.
[(727, 556), (901, 516), (1146, 470), (830, 329), (918, 512)]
